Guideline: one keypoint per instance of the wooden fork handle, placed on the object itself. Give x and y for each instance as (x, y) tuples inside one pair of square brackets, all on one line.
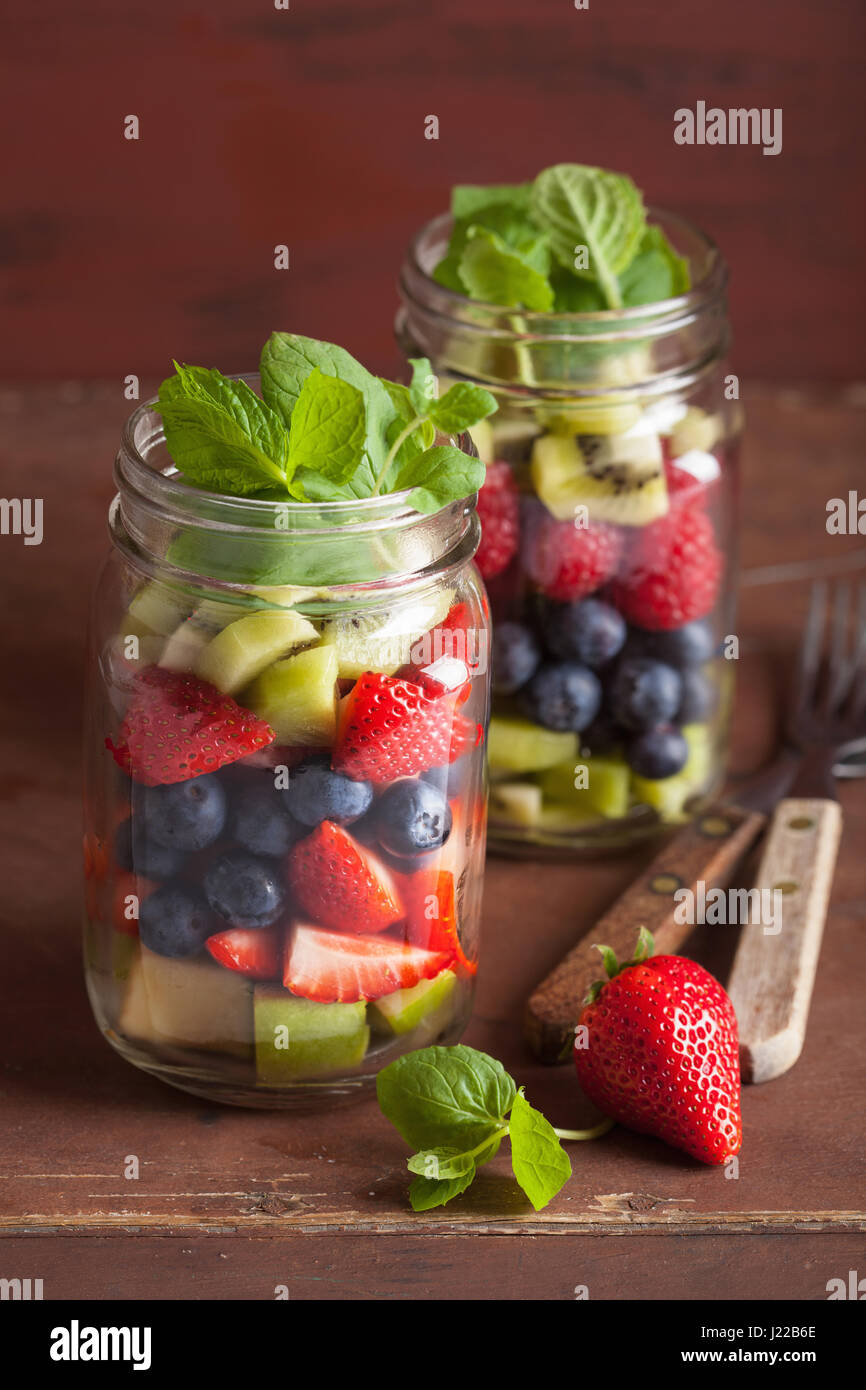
[(774, 968), (707, 851)]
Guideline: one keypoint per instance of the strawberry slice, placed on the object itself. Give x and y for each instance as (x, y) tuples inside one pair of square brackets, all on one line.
[(431, 915), (253, 951), (332, 967), (340, 884), (392, 728), (177, 727)]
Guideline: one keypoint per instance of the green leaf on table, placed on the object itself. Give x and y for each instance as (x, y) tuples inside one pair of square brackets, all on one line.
[(461, 406), (220, 434), (577, 206), (445, 1096), (496, 273), (442, 1162), (425, 1193), (438, 476), (540, 1163), (328, 428)]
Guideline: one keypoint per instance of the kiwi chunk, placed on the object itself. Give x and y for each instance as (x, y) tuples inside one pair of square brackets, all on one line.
[(298, 697), (517, 745), (606, 792), (382, 640), (618, 478), (519, 802), (427, 1003), (235, 656)]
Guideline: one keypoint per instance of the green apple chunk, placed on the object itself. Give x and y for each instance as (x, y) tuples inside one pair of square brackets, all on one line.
[(382, 640), (188, 1002), (297, 1038), (427, 1003), (606, 791), (516, 745), (298, 697), (239, 653), (668, 795), (154, 608)]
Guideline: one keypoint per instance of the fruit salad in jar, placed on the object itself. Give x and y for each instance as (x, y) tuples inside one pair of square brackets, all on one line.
[(607, 511), (285, 801)]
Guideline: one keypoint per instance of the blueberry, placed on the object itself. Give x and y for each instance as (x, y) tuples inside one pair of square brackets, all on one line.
[(690, 645), (590, 631), (261, 823), (315, 793), (412, 817), (135, 850), (244, 889), (658, 753), (174, 921), (603, 735), (699, 697), (562, 695), (645, 693), (184, 815), (451, 778), (516, 657)]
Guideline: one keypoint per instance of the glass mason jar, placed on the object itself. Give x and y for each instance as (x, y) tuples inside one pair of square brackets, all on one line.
[(258, 931), (610, 560)]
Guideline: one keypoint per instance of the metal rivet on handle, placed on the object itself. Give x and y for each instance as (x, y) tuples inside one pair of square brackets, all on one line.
[(786, 886), (665, 883), (714, 826), (801, 823)]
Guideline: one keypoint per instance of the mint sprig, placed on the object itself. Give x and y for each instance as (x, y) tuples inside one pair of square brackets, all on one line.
[(517, 245), (326, 429), (455, 1106)]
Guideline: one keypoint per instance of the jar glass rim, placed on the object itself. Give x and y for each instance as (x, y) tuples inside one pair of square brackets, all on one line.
[(708, 289)]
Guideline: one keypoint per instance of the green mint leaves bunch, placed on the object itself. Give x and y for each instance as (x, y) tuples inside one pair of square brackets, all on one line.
[(324, 429), (575, 240), (455, 1106)]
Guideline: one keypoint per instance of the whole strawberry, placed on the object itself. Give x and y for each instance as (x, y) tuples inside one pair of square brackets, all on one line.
[(499, 514), (660, 1052)]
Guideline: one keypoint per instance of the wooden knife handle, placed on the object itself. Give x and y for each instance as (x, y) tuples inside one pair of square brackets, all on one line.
[(774, 968), (707, 849)]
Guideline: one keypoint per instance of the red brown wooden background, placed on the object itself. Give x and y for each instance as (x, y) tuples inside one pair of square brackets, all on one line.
[(306, 127)]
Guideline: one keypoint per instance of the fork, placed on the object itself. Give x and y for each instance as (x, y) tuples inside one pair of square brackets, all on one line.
[(774, 967)]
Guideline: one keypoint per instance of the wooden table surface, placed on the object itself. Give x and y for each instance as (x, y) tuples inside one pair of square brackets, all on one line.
[(231, 1203)]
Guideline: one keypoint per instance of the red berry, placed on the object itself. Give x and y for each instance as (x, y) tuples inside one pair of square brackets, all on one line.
[(673, 573), (661, 1055), (332, 967), (178, 727), (253, 951), (431, 914), (568, 562), (393, 728), (341, 885), (499, 513)]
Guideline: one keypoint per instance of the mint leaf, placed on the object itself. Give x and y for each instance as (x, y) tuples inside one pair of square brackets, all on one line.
[(498, 274), (288, 359), (468, 199), (656, 272), (578, 205), (425, 1193), (574, 296), (423, 436), (220, 434), (327, 431), (462, 405), (540, 1163), (422, 388), (441, 1163), (511, 224), (445, 1097), (438, 476)]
